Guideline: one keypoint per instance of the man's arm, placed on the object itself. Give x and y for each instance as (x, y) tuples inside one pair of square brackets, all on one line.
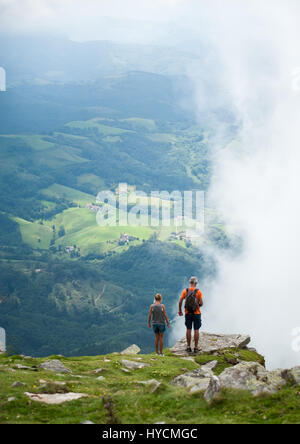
[(200, 298), (183, 296)]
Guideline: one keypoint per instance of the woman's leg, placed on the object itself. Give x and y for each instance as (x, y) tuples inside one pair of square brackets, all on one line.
[(161, 337), (157, 337)]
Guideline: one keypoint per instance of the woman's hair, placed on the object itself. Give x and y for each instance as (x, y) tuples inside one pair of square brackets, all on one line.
[(158, 297)]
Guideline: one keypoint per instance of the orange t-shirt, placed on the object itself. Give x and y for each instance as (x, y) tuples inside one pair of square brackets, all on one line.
[(199, 297)]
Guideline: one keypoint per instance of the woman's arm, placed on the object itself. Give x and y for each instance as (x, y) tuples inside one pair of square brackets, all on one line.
[(165, 315), (149, 318)]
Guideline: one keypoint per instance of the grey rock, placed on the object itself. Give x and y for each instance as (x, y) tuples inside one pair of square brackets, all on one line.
[(57, 398), (11, 399), (194, 378), (18, 384), (212, 343), (98, 370), (100, 378), (201, 386), (24, 367), (188, 358), (125, 370), (253, 377), (295, 371), (87, 422), (210, 365), (133, 365), (153, 383), (55, 365), (132, 350), (292, 376), (213, 389)]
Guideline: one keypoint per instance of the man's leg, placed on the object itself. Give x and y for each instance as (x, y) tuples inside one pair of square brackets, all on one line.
[(196, 338), (188, 337), (189, 326), (197, 326)]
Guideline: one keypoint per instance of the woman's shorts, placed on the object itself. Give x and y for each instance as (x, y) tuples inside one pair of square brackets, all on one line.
[(159, 328), (191, 319)]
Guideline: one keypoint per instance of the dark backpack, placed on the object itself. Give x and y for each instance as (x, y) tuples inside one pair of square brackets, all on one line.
[(191, 302)]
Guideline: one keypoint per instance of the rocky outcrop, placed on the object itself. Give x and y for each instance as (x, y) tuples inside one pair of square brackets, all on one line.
[(253, 377), (210, 343), (292, 376)]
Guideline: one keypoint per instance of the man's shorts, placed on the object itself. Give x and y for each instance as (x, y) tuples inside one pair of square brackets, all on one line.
[(159, 328), (193, 319)]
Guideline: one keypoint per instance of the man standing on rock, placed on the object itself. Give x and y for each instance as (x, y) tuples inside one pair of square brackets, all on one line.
[(193, 301)]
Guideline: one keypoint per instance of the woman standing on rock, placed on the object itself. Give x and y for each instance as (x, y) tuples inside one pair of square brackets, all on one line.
[(159, 316)]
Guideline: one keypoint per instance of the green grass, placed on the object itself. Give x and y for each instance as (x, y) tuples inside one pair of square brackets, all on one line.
[(133, 402), (70, 194), (105, 130), (137, 123), (32, 231), (36, 142)]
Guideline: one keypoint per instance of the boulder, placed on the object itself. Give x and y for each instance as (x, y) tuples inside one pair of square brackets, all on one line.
[(212, 343), (197, 379), (132, 350), (213, 389), (133, 365), (201, 386), (54, 365), (57, 398), (251, 376)]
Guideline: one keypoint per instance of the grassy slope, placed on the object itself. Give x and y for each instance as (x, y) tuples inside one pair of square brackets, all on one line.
[(132, 402)]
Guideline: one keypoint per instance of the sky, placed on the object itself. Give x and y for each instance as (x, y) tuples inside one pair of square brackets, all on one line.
[(84, 20), (255, 52)]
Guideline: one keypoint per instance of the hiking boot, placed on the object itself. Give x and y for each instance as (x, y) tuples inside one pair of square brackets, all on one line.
[(196, 350), (189, 350)]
